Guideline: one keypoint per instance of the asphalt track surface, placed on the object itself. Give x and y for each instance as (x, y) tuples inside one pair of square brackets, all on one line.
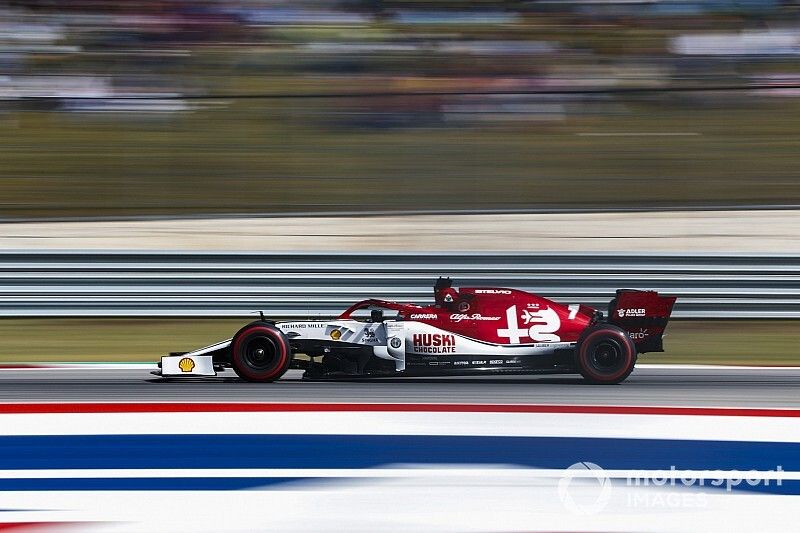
[(647, 386)]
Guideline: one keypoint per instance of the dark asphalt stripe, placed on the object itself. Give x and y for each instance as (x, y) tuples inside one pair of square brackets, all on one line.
[(746, 391)]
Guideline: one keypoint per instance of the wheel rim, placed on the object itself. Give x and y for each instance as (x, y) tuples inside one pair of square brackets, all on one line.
[(260, 353), (606, 356)]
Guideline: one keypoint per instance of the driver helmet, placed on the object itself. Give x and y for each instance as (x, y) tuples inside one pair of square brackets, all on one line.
[(448, 297)]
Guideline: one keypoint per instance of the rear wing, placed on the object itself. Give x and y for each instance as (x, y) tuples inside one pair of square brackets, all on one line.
[(644, 315)]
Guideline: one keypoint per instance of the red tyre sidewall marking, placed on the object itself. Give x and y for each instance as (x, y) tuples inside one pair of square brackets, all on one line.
[(624, 340), (269, 332)]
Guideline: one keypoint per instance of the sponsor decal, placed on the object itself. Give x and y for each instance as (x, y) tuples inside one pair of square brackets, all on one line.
[(458, 317), (336, 334), (463, 307), (623, 313), (301, 325), (478, 362), (448, 298), (186, 364), (395, 342), (369, 335), (434, 343), (492, 291), (638, 335), (424, 316), (496, 362), (543, 326), (460, 363)]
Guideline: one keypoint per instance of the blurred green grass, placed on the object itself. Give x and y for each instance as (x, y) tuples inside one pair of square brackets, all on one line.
[(295, 155), (740, 342)]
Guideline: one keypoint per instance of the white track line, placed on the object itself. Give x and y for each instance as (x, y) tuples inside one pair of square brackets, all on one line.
[(571, 425)]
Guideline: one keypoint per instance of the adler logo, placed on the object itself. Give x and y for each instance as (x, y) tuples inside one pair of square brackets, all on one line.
[(623, 313), (424, 316)]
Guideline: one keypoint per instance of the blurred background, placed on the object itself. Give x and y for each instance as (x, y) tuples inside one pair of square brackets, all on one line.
[(174, 107), (169, 168), (165, 110)]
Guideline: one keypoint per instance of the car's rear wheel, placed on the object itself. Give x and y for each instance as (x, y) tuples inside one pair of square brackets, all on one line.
[(605, 354), (260, 352)]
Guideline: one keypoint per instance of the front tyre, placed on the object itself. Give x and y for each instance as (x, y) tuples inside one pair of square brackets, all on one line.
[(605, 354), (260, 352)]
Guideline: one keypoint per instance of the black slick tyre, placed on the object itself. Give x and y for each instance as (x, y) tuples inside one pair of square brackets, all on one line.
[(260, 352), (605, 354)]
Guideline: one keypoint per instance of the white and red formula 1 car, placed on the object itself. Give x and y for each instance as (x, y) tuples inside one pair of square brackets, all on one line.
[(467, 331)]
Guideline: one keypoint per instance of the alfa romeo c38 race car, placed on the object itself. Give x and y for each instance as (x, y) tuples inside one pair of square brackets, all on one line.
[(465, 332)]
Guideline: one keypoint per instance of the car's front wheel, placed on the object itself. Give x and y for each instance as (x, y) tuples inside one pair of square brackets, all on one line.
[(605, 354), (260, 352)]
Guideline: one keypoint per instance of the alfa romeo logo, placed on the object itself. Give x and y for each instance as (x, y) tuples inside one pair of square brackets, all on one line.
[(395, 342)]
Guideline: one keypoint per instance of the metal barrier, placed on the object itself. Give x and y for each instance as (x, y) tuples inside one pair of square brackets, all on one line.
[(310, 284)]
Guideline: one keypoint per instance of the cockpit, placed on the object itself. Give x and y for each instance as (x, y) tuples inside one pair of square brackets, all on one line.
[(447, 297)]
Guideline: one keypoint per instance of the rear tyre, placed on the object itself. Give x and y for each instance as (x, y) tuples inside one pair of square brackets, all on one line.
[(605, 354), (260, 352)]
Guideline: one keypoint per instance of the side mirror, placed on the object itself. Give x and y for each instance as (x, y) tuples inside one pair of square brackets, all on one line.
[(376, 315)]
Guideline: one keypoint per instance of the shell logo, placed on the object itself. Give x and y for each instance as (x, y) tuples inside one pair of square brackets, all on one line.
[(186, 364)]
